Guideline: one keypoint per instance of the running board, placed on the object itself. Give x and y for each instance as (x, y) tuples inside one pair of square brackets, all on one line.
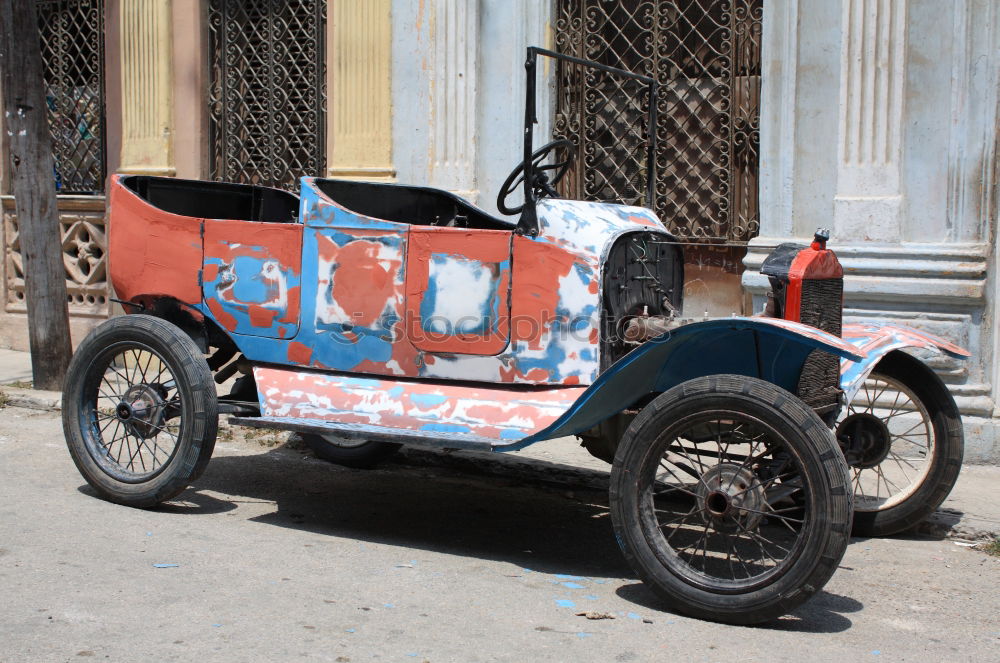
[(457, 416), (422, 438)]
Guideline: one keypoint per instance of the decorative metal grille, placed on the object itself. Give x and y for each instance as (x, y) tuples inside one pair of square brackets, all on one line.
[(81, 220), (268, 94), (705, 54), (72, 40)]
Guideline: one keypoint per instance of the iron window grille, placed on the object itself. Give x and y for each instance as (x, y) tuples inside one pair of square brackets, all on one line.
[(267, 99), (71, 35), (705, 57)]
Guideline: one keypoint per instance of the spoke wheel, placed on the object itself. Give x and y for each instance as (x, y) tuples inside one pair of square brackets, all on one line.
[(136, 414), (139, 410), (730, 499), (903, 440)]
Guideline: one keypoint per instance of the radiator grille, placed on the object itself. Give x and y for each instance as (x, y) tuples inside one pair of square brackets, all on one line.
[(821, 306), (822, 301)]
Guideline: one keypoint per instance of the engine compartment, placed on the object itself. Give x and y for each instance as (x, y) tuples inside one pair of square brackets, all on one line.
[(643, 286)]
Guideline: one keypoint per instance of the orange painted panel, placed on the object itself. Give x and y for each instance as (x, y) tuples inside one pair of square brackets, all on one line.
[(151, 252)]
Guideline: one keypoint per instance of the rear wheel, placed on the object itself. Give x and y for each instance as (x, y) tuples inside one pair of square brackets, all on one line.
[(361, 454), (903, 439), (139, 410), (730, 499)]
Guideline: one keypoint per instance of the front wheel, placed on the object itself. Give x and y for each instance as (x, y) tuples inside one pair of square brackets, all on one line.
[(730, 499), (903, 439), (140, 412)]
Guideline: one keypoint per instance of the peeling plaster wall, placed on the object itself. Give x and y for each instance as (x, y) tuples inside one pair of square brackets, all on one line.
[(458, 81), (411, 118), (879, 120)]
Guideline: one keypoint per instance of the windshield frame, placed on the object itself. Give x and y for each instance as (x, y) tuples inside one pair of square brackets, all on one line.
[(528, 223)]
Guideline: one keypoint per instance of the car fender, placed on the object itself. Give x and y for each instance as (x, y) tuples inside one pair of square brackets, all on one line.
[(767, 348), (876, 341)]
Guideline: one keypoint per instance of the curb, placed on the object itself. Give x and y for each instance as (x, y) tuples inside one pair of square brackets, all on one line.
[(947, 523), (33, 399)]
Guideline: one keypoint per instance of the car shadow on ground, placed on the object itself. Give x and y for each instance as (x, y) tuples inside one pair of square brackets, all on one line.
[(824, 613), (447, 506), (547, 528)]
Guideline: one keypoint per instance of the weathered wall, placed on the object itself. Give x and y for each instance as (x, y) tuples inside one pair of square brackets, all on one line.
[(458, 81), (879, 121)]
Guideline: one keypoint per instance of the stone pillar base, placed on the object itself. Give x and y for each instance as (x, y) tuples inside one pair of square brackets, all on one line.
[(872, 218)]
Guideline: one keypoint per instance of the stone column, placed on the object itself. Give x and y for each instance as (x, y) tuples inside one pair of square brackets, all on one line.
[(869, 150), (359, 116), (509, 27), (879, 121), (453, 87), (458, 84), (145, 40)]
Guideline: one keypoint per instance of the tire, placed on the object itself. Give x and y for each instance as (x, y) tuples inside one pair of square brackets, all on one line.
[(904, 442), (140, 412), (359, 454), (726, 468)]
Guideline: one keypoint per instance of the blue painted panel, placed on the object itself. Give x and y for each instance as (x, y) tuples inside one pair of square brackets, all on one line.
[(741, 346)]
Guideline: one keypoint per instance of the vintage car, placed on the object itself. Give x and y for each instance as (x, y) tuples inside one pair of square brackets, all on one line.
[(366, 316)]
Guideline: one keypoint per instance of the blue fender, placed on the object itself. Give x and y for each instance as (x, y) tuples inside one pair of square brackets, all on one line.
[(767, 348), (876, 341)]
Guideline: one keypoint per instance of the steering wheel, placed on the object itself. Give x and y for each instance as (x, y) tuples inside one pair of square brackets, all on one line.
[(542, 184)]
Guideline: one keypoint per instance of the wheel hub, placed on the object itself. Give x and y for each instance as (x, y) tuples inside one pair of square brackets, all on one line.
[(730, 498), (868, 440), (141, 410)]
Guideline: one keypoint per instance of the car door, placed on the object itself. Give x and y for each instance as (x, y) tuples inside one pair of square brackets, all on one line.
[(250, 276), (458, 290)]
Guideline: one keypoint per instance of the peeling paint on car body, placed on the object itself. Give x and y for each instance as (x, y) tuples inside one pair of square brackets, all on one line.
[(535, 319), (151, 253), (336, 292), (498, 412), (250, 277), (878, 340)]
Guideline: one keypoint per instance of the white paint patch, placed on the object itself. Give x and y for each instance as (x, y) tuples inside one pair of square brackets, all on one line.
[(466, 367), (328, 311), (459, 308), (272, 272), (575, 295)]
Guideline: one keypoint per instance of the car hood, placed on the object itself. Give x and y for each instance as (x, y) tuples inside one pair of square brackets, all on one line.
[(588, 229)]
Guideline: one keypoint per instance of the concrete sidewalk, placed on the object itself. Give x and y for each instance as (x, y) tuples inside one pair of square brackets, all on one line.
[(15, 383), (970, 512), (14, 366)]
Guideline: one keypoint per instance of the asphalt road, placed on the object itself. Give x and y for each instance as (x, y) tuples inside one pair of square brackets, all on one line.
[(277, 556)]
